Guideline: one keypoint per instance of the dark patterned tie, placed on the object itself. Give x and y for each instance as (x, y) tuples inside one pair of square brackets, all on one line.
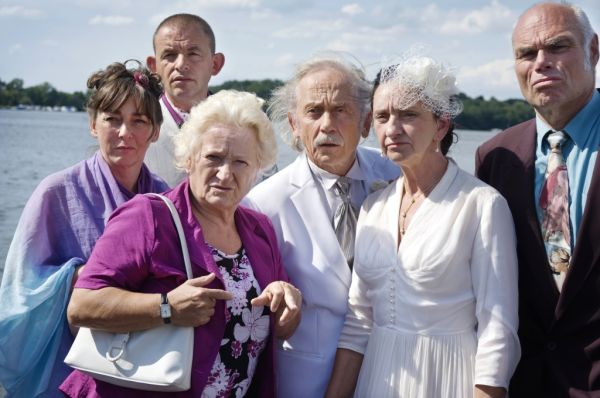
[(344, 220), (554, 202)]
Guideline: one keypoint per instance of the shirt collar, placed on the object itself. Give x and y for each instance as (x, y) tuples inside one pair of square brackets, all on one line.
[(183, 114), (578, 127), (329, 179)]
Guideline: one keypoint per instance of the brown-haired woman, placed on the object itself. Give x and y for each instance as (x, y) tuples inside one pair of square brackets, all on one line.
[(61, 222)]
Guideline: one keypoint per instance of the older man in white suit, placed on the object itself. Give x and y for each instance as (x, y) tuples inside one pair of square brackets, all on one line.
[(327, 107)]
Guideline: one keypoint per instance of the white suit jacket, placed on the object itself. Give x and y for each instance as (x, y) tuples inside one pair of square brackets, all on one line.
[(160, 158), (315, 264)]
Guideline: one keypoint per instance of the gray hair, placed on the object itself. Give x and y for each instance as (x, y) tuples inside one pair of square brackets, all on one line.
[(232, 108), (283, 99), (586, 30)]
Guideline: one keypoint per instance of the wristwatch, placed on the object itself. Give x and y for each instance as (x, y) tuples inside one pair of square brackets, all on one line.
[(165, 308)]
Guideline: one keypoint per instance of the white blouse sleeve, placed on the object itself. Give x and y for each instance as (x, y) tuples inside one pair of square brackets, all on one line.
[(495, 285), (359, 318)]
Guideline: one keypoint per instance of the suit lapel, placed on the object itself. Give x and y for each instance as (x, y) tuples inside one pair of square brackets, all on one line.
[(327, 254), (528, 202), (519, 189), (586, 252)]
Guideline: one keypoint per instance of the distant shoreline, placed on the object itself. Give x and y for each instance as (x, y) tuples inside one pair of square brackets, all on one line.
[(478, 114), (42, 108), (63, 109)]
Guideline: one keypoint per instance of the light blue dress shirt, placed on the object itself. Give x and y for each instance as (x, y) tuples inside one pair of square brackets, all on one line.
[(580, 153)]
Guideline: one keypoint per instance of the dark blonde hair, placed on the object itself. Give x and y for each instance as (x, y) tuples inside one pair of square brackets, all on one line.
[(113, 86)]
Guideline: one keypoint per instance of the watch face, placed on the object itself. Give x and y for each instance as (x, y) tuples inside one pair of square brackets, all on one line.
[(165, 310)]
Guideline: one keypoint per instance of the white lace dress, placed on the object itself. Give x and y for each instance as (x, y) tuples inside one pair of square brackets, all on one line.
[(437, 315)]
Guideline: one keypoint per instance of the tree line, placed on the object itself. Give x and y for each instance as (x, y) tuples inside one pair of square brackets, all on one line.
[(478, 114), (14, 94)]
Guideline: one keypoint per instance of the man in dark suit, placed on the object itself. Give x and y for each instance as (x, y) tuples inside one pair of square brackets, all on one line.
[(556, 52)]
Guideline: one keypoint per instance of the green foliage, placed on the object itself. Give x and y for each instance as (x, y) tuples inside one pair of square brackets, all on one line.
[(478, 114), (261, 88), (14, 93), (482, 114)]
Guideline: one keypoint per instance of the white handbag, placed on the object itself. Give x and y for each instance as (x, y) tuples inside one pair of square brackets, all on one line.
[(158, 359)]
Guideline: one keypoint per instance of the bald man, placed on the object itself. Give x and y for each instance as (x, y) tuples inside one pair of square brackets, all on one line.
[(547, 169)]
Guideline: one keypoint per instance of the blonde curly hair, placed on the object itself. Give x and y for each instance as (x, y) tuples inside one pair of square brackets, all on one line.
[(227, 107)]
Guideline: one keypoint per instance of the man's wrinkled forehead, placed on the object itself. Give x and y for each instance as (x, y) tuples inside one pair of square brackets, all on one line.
[(545, 23), (325, 88), (321, 86), (178, 34)]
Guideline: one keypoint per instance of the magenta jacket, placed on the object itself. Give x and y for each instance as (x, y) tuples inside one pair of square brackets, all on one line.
[(140, 251)]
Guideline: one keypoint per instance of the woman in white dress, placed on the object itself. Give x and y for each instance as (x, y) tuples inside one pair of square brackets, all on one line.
[(433, 302)]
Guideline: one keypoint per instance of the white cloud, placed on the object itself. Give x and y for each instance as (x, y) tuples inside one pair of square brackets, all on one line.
[(285, 60), (421, 19), (155, 19), (204, 8), (290, 7), (309, 29), (262, 14), (216, 4), (352, 9), (491, 17), (235, 3), (112, 20), (19, 11), (498, 74), (366, 40), (428, 17)]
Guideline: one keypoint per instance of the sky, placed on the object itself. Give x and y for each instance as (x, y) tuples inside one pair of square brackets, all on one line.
[(63, 41)]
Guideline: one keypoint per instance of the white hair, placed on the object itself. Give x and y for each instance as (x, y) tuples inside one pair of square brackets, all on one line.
[(283, 100), (227, 107)]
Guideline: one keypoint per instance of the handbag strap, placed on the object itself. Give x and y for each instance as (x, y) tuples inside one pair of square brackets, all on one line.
[(182, 241)]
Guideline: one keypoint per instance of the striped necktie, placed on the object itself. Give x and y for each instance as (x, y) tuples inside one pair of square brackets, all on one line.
[(554, 202), (344, 220)]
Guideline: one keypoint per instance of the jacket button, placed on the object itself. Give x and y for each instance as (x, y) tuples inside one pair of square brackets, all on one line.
[(551, 346)]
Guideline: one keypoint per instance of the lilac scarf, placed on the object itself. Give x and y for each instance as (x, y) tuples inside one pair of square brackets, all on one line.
[(59, 226)]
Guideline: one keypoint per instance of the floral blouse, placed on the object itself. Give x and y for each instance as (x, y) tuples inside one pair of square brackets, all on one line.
[(246, 330)]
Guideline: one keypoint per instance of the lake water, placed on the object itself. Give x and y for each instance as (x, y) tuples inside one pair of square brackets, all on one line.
[(35, 144)]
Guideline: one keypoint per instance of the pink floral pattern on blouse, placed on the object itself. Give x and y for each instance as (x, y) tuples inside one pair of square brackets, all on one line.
[(246, 329)]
